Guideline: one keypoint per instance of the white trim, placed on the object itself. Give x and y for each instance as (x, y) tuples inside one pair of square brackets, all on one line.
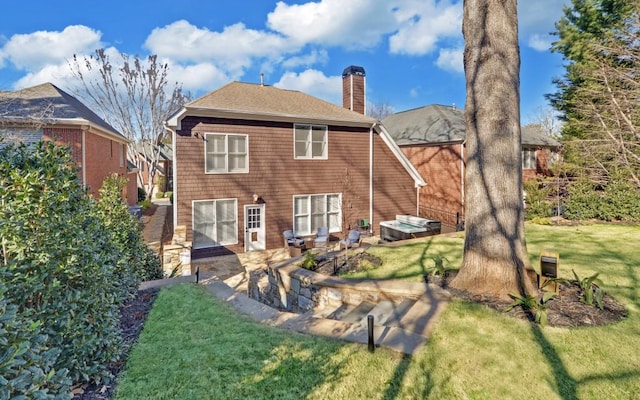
[(326, 213), (462, 174), (84, 157), (395, 149), (325, 155), (207, 246), (371, 222), (226, 144)]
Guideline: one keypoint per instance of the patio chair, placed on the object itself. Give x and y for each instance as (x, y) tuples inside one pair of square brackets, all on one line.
[(292, 240), (352, 240), (364, 226), (322, 237)]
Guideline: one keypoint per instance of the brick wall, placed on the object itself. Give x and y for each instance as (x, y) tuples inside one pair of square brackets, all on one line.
[(441, 167)]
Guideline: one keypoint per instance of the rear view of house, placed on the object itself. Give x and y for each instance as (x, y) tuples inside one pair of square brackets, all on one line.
[(46, 112), (252, 160)]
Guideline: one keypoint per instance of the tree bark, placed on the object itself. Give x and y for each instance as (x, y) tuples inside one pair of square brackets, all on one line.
[(495, 255)]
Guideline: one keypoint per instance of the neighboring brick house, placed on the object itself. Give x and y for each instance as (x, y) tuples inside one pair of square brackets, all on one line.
[(251, 161), (433, 138), (46, 112)]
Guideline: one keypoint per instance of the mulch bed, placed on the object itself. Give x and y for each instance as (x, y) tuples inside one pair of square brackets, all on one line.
[(132, 317)]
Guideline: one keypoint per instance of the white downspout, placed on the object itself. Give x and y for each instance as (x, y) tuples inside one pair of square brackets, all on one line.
[(371, 179), (84, 157), (418, 200), (174, 175), (462, 173)]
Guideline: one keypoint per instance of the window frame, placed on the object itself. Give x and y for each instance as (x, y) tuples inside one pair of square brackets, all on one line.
[(527, 159), (215, 242), (226, 153), (309, 213), (309, 141)]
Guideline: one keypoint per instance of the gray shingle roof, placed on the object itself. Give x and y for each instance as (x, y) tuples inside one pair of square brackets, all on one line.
[(441, 124), (50, 103), (256, 99), (429, 124)]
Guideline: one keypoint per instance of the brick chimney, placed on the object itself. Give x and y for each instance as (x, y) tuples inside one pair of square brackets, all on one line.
[(353, 89)]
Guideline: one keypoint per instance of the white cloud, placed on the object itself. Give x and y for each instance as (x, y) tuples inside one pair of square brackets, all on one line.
[(423, 24), (235, 48), (197, 77), (536, 20), (539, 42), (315, 83), (414, 93), (34, 51), (315, 57), (351, 24), (451, 60)]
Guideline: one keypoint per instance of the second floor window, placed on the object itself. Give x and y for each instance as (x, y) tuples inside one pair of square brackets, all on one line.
[(226, 153), (310, 142)]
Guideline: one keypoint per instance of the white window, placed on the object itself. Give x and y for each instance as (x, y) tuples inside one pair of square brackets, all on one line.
[(226, 153), (310, 141), (215, 223), (122, 150), (313, 211), (529, 158)]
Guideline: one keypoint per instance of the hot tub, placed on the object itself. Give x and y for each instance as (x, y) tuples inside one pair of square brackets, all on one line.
[(408, 227)]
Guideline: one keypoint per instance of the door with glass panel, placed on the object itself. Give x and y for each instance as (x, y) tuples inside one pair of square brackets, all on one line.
[(254, 227)]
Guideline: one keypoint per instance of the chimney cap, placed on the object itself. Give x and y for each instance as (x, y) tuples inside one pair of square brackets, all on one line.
[(353, 70)]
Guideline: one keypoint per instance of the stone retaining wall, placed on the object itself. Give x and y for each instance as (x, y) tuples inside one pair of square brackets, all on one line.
[(176, 257), (289, 287)]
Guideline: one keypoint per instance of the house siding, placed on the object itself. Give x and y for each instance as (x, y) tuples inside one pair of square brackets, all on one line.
[(276, 176), (441, 199)]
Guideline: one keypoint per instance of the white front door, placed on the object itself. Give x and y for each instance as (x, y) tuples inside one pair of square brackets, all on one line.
[(254, 237)]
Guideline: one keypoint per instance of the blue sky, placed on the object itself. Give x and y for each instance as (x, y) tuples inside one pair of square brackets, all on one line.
[(411, 49)]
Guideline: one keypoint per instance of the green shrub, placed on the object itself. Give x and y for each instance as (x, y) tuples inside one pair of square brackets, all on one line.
[(168, 194), (618, 200), (309, 262), (137, 262), (537, 204), (26, 364), (58, 261), (159, 195), (146, 204)]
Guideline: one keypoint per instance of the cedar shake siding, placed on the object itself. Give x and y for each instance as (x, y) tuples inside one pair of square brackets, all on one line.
[(275, 176)]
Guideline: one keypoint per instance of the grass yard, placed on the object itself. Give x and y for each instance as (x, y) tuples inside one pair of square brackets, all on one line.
[(195, 347)]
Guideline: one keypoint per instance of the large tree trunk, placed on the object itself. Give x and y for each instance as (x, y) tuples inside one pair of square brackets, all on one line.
[(495, 255)]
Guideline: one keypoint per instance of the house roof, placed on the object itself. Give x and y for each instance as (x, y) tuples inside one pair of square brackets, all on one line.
[(51, 105), (165, 151), (445, 124), (429, 124), (268, 102)]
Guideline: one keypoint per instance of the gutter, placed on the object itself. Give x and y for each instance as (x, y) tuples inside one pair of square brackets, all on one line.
[(173, 172)]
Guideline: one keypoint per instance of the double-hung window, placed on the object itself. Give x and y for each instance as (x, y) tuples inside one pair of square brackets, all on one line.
[(310, 141), (215, 223), (313, 211), (226, 153), (528, 158)]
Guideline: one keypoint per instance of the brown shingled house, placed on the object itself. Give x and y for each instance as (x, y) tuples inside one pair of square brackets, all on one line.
[(433, 138), (252, 160), (46, 112)]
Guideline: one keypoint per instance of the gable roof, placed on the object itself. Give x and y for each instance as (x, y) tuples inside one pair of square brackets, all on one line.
[(429, 124), (445, 124), (52, 105), (263, 102)]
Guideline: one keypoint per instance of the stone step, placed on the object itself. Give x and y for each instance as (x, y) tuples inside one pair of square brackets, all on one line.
[(324, 312), (341, 311), (388, 312), (422, 315), (359, 312)]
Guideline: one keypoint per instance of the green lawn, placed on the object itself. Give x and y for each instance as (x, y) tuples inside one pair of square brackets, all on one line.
[(195, 347)]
